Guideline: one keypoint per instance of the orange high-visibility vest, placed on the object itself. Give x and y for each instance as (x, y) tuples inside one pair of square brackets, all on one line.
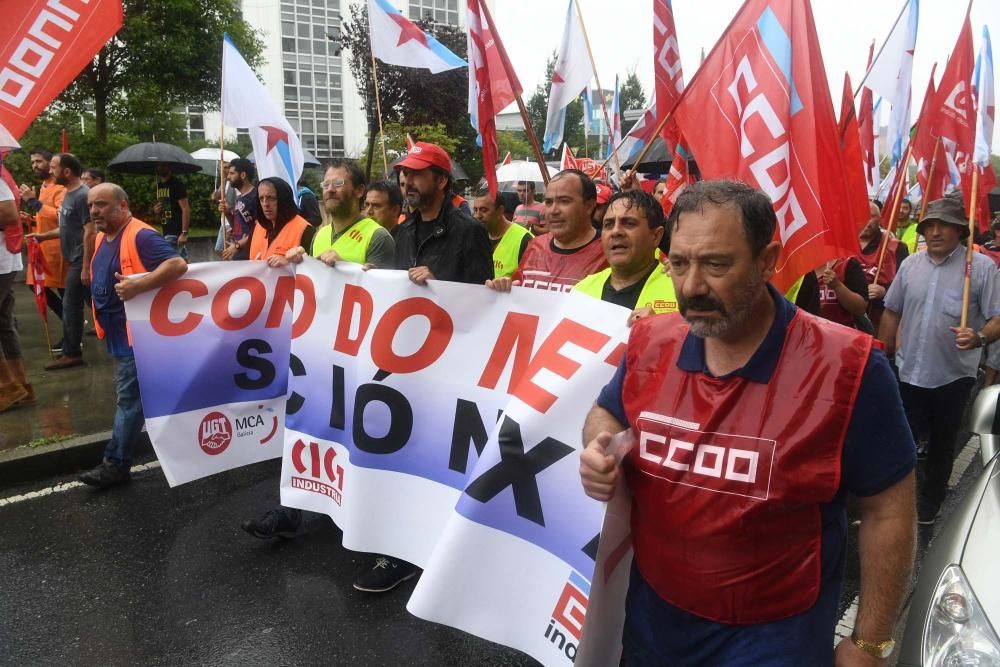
[(289, 237), (128, 256)]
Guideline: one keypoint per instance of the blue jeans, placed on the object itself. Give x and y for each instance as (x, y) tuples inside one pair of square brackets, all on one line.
[(128, 415)]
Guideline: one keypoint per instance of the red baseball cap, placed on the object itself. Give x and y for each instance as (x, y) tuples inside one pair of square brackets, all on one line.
[(424, 155), (603, 193)]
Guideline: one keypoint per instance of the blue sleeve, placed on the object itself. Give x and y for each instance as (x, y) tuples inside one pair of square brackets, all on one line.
[(610, 397), (153, 250), (878, 449)]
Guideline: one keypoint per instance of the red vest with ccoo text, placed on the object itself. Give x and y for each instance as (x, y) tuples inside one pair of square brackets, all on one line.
[(729, 474)]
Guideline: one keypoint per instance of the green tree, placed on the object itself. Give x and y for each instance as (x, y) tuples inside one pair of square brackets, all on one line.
[(168, 54), (395, 140), (631, 97), (413, 97), (538, 106), (514, 142)]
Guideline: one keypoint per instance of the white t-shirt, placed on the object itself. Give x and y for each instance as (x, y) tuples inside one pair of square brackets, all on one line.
[(9, 261)]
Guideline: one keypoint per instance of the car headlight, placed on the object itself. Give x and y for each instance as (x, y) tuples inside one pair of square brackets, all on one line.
[(957, 632)]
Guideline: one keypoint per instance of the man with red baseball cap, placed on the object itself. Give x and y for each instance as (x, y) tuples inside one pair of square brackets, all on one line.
[(438, 240)]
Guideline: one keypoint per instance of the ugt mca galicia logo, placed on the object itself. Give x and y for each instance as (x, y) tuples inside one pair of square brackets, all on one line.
[(215, 433)]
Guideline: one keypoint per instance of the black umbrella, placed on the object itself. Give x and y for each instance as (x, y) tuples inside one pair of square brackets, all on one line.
[(144, 158), (457, 171), (657, 159)]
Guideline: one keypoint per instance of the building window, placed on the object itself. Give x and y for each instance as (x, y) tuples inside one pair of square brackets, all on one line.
[(439, 11)]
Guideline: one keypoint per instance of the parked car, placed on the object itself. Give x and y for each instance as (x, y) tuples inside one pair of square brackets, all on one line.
[(955, 608)]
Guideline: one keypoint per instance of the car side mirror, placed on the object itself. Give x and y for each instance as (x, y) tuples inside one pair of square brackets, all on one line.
[(984, 420)]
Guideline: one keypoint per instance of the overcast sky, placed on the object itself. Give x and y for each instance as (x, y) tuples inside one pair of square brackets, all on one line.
[(621, 34)]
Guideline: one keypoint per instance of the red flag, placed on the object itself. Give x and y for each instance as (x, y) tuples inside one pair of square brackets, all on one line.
[(45, 45), (955, 113), (759, 110), (36, 264), (666, 66), (679, 178), (568, 161), (854, 164), (506, 160), (492, 83), (866, 127), (927, 149)]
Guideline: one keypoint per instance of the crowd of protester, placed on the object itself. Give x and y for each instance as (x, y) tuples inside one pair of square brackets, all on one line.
[(902, 288)]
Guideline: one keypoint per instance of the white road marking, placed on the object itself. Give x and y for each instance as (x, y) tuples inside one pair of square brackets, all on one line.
[(65, 486), (846, 624)]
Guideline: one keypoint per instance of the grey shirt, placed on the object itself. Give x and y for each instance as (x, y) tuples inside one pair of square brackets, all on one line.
[(73, 215), (928, 297)]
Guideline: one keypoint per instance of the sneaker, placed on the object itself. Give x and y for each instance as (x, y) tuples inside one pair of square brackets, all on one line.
[(11, 395), (927, 512), (106, 475), (280, 522), (56, 349), (63, 361), (385, 574)]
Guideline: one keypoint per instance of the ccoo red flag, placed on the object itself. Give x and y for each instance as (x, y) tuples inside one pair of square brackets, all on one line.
[(759, 110), (37, 267), (42, 49), (492, 83), (854, 162), (954, 119), (927, 147), (666, 66)]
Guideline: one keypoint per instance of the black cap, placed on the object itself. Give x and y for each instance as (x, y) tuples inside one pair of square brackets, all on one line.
[(949, 209)]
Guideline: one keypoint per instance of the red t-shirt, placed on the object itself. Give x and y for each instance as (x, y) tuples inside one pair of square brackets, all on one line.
[(544, 266)]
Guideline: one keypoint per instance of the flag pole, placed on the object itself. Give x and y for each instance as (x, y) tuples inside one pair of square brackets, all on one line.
[(930, 175), (597, 80), (897, 197), (378, 105), (509, 70), (967, 284), (906, 3), (222, 151)]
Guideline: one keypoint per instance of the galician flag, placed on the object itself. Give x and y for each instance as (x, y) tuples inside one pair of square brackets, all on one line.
[(571, 75), (396, 40), (891, 76), (246, 104)]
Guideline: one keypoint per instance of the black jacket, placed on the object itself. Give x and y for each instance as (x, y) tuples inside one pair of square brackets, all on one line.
[(458, 249)]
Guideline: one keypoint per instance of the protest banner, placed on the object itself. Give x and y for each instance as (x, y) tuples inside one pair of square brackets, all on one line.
[(439, 424), (211, 352)]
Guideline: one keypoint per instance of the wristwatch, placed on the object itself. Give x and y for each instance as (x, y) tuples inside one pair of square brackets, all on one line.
[(880, 650), (983, 340)]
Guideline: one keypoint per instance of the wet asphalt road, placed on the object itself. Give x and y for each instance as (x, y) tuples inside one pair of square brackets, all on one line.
[(148, 575)]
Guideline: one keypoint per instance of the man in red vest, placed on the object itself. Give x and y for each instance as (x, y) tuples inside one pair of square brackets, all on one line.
[(895, 252), (754, 420), (124, 246)]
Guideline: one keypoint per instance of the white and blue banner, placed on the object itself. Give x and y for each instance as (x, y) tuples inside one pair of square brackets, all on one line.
[(439, 424)]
